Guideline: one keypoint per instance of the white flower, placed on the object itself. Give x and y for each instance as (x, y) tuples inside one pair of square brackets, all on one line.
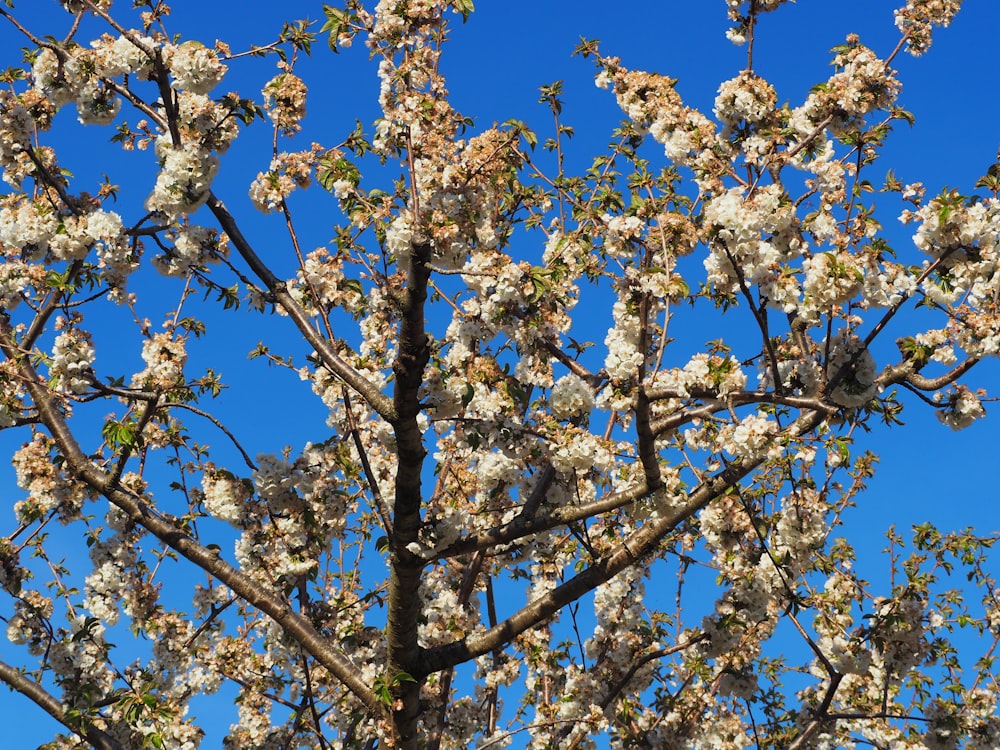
[(184, 180), (164, 357), (746, 98), (963, 408), (398, 236), (196, 68), (104, 225), (496, 468), (750, 438), (14, 279), (623, 358), (274, 479), (224, 496), (343, 189), (97, 105), (288, 171), (61, 82), (194, 246), (29, 228), (576, 450), (571, 397), (71, 241), (72, 357), (122, 57)]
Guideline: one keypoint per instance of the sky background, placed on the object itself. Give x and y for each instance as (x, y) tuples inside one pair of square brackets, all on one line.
[(495, 64)]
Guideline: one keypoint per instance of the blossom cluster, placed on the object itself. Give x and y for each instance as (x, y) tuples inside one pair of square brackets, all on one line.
[(184, 180), (738, 250), (49, 488), (72, 357), (571, 397), (285, 102), (164, 355), (918, 18), (852, 367), (503, 463), (287, 172)]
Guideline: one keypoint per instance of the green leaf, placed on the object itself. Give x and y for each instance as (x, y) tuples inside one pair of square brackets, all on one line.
[(902, 114), (383, 687), (120, 434), (331, 167), (587, 47), (353, 285), (337, 22), (521, 129), (60, 282), (892, 184), (468, 394), (192, 325), (465, 7), (335, 18), (540, 282), (229, 297)]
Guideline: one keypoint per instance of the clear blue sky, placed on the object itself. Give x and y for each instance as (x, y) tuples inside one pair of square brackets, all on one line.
[(495, 65)]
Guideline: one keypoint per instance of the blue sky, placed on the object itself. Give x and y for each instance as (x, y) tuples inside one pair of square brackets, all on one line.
[(495, 64)]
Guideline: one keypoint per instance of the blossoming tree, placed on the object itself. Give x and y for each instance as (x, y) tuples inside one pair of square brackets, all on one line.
[(463, 557)]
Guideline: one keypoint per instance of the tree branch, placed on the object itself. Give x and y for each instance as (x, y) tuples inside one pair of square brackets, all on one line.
[(80, 466), (524, 525), (636, 546), (54, 708), (905, 372), (368, 390), (402, 619)]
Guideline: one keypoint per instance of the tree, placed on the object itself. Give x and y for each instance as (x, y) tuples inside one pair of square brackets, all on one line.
[(505, 530)]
